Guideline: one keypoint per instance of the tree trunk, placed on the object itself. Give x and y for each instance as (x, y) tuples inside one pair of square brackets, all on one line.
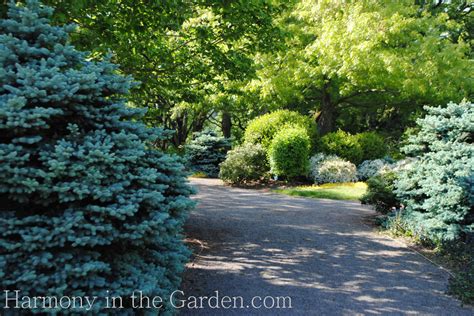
[(326, 118), (181, 130), (226, 124), (198, 122)]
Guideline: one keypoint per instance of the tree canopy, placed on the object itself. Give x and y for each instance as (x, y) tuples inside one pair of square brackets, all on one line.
[(366, 60), (353, 65), (189, 56)]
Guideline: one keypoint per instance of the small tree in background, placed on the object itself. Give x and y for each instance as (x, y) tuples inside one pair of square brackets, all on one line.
[(86, 206), (438, 189), (206, 152)]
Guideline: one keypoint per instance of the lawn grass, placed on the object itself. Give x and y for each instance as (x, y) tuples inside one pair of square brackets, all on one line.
[(333, 191)]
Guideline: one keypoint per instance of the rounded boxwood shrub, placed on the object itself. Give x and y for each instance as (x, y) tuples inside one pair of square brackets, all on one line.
[(437, 189), (373, 145), (343, 145), (87, 206), (331, 169), (247, 162), (289, 153), (206, 152), (263, 129)]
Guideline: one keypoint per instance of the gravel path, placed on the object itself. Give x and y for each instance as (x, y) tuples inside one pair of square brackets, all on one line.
[(321, 253)]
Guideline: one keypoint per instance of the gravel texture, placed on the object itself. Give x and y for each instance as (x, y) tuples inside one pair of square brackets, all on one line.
[(324, 254)]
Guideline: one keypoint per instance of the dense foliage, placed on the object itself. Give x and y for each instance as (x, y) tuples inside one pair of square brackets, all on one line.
[(343, 145), (206, 152), (462, 285), (373, 145), (438, 189), (191, 57), (86, 206), (381, 193), (289, 152), (368, 65), (331, 169), (244, 163), (263, 129), (354, 65)]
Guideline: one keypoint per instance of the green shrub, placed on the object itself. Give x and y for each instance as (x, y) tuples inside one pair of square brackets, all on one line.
[(263, 129), (206, 152), (247, 162), (343, 145), (462, 254), (86, 206), (381, 193), (289, 153), (373, 145), (331, 169), (462, 285), (438, 188)]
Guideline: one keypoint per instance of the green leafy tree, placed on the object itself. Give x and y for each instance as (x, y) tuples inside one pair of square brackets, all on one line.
[(86, 206), (186, 54), (459, 11), (368, 63)]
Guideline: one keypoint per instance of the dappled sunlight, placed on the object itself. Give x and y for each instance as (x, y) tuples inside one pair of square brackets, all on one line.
[(266, 244)]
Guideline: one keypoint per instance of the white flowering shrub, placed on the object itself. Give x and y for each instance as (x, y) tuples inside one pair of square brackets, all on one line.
[(331, 169), (371, 168)]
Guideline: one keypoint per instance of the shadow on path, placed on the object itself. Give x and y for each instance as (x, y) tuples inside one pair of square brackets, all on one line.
[(319, 252)]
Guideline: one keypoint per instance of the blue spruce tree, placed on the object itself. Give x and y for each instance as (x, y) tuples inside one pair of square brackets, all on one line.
[(87, 207), (206, 152), (438, 190)]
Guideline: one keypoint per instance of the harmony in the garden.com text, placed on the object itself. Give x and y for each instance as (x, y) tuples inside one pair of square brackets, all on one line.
[(14, 299)]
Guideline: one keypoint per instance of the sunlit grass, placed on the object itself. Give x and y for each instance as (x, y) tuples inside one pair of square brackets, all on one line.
[(333, 191), (199, 174)]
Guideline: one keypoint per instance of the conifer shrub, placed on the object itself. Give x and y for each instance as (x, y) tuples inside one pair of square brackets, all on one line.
[(331, 169), (403, 164), (206, 152), (289, 153), (247, 162), (373, 145), (263, 129), (86, 205), (437, 189), (343, 145)]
